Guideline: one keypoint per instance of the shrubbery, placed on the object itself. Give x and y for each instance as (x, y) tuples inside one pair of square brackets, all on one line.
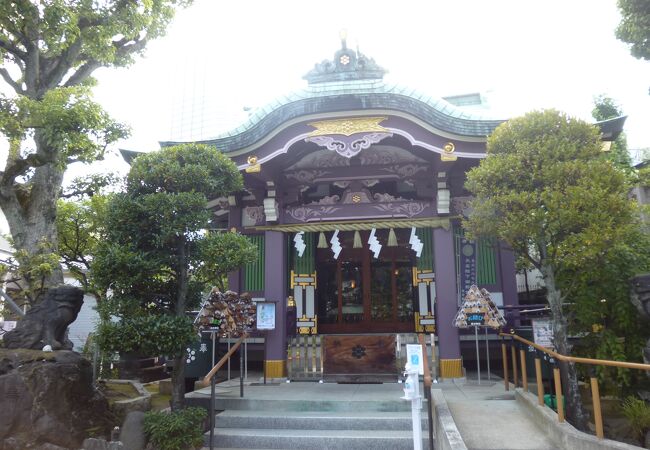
[(179, 430)]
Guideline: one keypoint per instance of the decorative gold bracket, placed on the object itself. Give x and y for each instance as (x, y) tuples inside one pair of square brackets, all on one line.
[(304, 292)]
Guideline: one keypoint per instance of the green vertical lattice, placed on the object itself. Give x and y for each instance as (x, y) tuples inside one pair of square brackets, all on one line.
[(305, 264), (486, 266), (425, 261), (254, 272)]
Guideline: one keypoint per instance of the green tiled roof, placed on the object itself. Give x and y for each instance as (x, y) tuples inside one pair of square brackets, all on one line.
[(348, 95)]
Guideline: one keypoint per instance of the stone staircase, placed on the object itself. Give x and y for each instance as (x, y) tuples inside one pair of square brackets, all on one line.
[(315, 424)]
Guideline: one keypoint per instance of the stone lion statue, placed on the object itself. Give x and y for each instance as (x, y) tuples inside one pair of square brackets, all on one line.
[(46, 323)]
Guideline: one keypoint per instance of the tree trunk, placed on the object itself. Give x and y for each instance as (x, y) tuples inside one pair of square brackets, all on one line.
[(178, 374), (31, 216), (574, 411), (178, 383)]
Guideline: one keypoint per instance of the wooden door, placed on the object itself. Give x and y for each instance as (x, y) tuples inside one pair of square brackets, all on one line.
[(359, 358)]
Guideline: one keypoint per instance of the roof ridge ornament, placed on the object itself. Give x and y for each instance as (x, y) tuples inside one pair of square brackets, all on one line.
[(346, 65)]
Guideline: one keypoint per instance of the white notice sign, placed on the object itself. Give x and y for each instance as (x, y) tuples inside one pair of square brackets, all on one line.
[(265, 315), (543, 332), (414, 356)]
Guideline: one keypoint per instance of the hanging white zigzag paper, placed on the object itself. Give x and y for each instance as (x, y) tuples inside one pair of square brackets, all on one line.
[(299, 243), (416, 243), (336, 244), (373, 243)]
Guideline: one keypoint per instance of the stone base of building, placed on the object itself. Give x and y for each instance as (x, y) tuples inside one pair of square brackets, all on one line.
[(451, 368)]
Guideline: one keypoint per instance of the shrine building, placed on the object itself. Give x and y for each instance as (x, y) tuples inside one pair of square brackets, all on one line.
[(354, 190)]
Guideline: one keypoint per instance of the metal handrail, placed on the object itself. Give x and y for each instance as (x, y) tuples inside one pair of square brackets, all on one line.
[(575, 359), (595, 392), (209, 378), (222, 361)]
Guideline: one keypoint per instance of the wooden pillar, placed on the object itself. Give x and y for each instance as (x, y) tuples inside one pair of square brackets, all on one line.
[(540, 381), (598, 415), (558, 394), (515, 374), (504, 354), (524, 375)]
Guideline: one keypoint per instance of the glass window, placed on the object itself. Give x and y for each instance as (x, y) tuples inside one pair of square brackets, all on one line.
[(351, 292)]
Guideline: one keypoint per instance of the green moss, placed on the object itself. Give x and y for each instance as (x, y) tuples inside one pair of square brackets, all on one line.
[(119, 391)]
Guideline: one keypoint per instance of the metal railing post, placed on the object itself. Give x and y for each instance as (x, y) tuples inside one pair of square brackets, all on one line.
[(504, 355), (559, 398), (211, 412), (598, 415), (524, 374), (241, 372)]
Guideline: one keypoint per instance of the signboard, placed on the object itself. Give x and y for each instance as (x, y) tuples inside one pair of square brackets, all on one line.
[(477, 319), (265, 315), (467, 264), (543, 332), (414, 356)]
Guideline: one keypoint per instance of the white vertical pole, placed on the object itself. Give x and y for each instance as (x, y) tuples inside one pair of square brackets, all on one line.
[(478, 360), (487, 353), (229, 358), (416, 412), (214, 348)]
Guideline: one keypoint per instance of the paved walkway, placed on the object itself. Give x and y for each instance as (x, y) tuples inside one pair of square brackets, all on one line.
[(488, 417)]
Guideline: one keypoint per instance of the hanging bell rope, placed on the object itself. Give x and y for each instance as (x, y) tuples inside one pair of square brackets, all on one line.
[(392, 239), (357, 240), (322, 242)]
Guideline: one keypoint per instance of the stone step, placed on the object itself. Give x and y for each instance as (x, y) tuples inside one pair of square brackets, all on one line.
[(245, 404), (312, 420), (313, 439)]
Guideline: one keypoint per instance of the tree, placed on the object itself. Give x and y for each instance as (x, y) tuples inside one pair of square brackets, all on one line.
[(635, 26), (152, 257), (49, 50), (610, 325), (605, 108), (80, 229), (545, 190)]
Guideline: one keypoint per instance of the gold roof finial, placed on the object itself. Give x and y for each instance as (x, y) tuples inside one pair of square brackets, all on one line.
[(343, 34)]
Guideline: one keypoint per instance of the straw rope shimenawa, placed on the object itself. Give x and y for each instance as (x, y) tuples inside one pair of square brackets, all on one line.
[(357, 225)]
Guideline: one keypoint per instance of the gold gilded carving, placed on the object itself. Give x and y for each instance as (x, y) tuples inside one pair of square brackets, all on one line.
[(417, 279), (448, 155), (422, 328), (308, 330), (348, 127), (253, 166)]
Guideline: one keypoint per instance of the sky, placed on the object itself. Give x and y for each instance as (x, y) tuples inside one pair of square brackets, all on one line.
[(222, 57)]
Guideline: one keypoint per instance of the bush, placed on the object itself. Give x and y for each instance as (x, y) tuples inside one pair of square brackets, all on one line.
[(150, 335), (178, 430), (637, 412)]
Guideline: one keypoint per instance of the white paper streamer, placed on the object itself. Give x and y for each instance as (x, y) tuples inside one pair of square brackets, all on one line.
[(299, 243), (336, 244), (373, 243), (416, 244)]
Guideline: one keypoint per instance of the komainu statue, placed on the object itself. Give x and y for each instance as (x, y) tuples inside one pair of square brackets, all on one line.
[(46, 323)]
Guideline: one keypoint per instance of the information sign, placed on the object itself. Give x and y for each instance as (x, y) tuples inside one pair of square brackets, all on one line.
[(543, 332), (414, 356), (265, 315)]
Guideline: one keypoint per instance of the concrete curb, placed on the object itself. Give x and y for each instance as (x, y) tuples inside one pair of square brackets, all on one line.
[(141, 403), (565, 435), (446, 434)]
